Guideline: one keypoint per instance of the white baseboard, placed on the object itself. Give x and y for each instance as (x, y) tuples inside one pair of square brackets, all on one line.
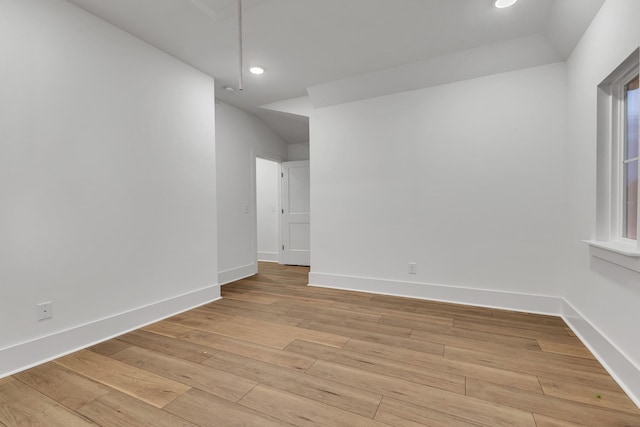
[(40, 350), (538, 304), (268, 256), (237, 273), (620, 367)]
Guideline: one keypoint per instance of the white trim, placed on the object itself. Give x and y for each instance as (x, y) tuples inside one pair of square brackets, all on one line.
[(620, 253), (237, 273), (619, 366), (610, 158), (268, 256), (618, 247), (31, 353), (619, 139), (538, 304)]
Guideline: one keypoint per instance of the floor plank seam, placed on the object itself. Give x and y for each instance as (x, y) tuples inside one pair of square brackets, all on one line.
[(243, 396)]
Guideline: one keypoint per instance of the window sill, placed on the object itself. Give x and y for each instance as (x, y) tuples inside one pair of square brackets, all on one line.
[(621, 248), (620, 253)]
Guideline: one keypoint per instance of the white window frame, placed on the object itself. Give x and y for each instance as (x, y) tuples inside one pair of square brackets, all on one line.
[(609, 243), (618, 146)]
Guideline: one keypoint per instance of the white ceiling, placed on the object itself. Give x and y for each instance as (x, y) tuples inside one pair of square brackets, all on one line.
[(313, 43)]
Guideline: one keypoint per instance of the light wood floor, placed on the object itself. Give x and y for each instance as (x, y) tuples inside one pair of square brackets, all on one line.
[(276, 352)]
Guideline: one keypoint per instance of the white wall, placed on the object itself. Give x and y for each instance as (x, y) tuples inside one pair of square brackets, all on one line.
[(240, 137), (267, 208), (489, 185), (107, 181), (298, 151), (607, 295), (464, 179)]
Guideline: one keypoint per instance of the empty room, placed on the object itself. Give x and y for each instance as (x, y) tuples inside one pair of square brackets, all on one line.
[(319, 213)]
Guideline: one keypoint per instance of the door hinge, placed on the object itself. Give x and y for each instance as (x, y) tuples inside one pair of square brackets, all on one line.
[(282, 174), (283, 247), (283, 211)]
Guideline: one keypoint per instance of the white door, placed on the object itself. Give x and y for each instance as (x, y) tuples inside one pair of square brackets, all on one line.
[(295, 213)]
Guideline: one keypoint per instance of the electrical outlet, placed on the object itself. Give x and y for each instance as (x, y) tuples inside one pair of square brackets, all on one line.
[(413, 268), (45, 310)]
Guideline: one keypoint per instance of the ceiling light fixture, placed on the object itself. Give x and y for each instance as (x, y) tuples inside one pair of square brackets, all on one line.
[(501, 4), (256, 70), (229, 89)]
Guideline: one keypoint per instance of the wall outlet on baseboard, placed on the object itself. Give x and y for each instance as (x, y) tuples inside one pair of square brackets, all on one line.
[(44, 310), (413, 268)]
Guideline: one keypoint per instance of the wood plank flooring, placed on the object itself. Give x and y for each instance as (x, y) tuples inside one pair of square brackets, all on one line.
[(275, 352)]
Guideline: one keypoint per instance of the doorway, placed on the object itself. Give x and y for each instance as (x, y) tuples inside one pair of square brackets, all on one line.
[(296, 213), (282, 212), (268, 209)]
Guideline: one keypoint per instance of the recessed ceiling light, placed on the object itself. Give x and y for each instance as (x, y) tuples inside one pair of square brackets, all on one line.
[(501, 4), (256, 70), (229, 89)]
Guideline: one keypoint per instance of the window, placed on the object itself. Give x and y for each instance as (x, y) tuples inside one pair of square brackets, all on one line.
[(630, 161), (617, 175)]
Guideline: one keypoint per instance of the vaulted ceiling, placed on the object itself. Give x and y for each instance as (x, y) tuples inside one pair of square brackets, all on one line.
[(341, 50)]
